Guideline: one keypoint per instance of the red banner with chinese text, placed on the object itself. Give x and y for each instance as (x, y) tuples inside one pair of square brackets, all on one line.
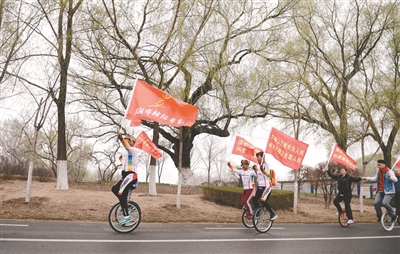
[(289, 151), (340, 156), (144, 143), (246, 149), (150, 103)]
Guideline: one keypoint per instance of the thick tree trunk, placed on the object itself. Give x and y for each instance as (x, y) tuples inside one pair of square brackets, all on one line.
[(62, 175), (152, 181)]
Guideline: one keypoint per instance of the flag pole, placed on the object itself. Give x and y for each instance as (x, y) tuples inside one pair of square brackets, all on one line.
[(130, 99), (397, 161), (329, 158), (269, 136)]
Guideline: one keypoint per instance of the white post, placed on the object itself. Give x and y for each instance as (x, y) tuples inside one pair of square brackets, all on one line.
[(295, 192)]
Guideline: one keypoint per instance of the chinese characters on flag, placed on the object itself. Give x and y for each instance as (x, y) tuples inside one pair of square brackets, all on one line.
[(152, 104), (144, 143), (245, 149), (289, 151), (339, 155)]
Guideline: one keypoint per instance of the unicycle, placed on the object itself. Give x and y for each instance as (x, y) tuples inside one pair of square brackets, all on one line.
[(343, 220), (387, 222), (247, 222), (261, 219), (116, 215)]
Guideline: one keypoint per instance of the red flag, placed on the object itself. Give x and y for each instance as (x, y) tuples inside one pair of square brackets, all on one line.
[(144, 143), (245, 149), (150, 103), (340, 156), (289, 151)]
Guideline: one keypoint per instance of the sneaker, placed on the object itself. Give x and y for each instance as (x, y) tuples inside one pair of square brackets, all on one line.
[(124, 220), (350, 221), (249, 216), (379, 220), (394, 218), (274, 217)]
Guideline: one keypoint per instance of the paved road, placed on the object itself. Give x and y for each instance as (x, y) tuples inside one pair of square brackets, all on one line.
[(77, 237)]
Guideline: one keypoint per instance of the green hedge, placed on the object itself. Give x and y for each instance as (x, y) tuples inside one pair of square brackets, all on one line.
[(231, 196)]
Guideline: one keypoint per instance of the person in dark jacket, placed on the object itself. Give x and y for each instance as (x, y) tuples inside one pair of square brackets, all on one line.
[(344, 182)]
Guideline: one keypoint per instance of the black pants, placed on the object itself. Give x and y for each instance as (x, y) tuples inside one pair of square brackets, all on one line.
[(123, 198), (256, 201), (347, 199)]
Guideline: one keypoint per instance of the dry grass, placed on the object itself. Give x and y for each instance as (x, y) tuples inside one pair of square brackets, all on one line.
[(92, 202)]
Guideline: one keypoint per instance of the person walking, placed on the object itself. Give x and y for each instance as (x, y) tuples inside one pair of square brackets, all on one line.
[(264, 188), (344, 182), (385, 181), (248, 177)]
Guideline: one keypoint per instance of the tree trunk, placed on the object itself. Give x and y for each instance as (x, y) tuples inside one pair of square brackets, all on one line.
[(32, 159), (152, 180), (153, 169), (62, 175), (29, 182)]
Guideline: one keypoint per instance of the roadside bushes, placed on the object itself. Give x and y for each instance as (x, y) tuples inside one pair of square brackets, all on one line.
[(231, 196)]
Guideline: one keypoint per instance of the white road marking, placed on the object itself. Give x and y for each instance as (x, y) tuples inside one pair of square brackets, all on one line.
[(238, 228), (198, 240), (14, 225)]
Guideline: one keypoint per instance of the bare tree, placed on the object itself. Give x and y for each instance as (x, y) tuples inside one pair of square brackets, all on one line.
[(78, 161), (40, 118), (61, 27), (16, 19), (212, 150), (199, 52), (322, 181), (107, 164), (302, 176), (160, 165), (336, 42), (379, 97)]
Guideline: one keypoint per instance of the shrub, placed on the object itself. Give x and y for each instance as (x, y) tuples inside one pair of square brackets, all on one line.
[(43, 173), (231, 196), (9, 169)]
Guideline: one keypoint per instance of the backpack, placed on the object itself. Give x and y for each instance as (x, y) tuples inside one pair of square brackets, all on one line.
[(273, 177)]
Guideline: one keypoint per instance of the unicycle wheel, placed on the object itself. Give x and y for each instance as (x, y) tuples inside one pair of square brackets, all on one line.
[(116, 215), (261, 220), (386, 221), (343, 220), (247, 222)]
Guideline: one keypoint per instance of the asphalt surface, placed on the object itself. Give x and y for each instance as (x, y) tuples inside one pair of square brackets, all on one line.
[(78, 237)]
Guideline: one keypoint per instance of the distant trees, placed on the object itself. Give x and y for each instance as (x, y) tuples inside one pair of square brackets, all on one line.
[(336, 46)]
